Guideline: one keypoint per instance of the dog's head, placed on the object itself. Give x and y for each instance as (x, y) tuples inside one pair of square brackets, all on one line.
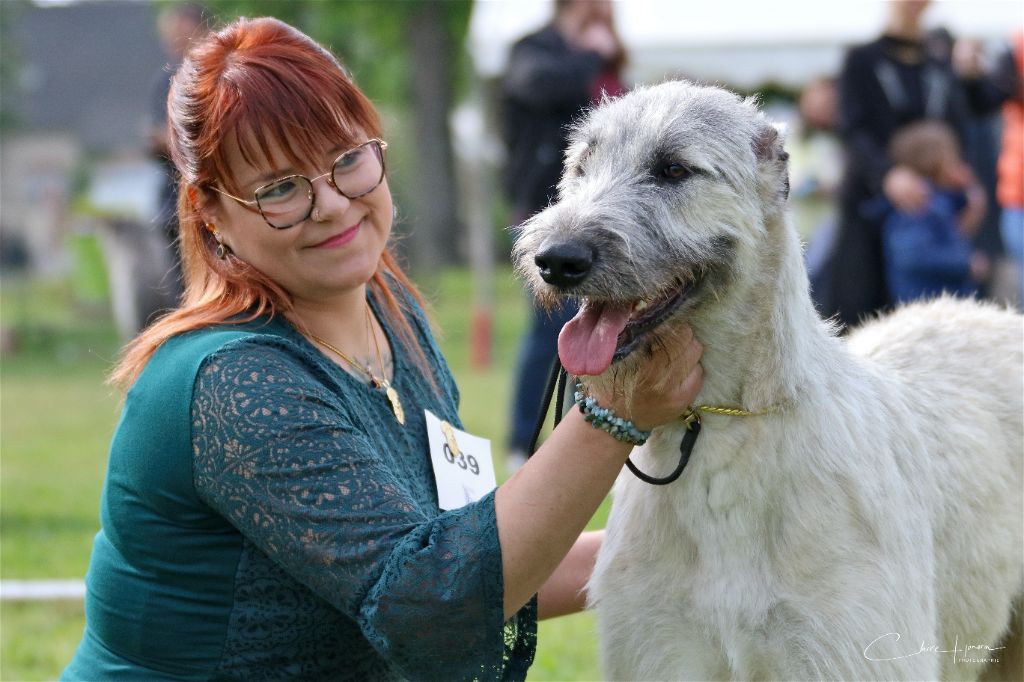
[(666, 193)]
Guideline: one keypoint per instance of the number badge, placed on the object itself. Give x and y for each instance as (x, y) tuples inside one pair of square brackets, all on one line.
[(462, 464)]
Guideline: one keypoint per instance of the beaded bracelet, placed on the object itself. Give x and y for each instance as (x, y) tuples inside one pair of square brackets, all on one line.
[(602, 418)]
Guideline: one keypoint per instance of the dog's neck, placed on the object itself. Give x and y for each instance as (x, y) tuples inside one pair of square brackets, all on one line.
[(763, 339)]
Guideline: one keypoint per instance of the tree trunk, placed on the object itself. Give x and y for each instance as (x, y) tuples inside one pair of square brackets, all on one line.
[(435, 234)]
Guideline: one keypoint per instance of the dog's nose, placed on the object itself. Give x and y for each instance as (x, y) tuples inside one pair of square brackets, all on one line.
[(564, 264)]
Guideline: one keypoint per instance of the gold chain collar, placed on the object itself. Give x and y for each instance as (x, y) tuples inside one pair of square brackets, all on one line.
[(693, 412)]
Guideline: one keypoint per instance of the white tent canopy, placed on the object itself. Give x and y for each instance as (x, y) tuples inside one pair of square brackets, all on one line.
[(739, 42)]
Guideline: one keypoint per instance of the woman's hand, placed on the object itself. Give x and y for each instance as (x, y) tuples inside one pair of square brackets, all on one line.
[(665, 384)]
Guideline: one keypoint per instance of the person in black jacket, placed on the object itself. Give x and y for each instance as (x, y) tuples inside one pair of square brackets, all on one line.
[(179, 26), (553, 75), (883, 86)]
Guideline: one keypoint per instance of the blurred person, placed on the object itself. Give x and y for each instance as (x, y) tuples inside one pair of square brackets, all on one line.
[(552, 76), (928, 252), (985, 89), (178, 26), (1011, 165), (818, 105), (815, 162), (270, 509), (883, 86), (818, 162)]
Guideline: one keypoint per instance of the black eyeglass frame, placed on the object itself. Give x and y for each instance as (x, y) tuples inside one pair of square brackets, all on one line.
[(378, 144)]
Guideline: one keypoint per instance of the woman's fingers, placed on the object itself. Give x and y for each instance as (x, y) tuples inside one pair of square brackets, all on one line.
[(669, 382), (691, 385)]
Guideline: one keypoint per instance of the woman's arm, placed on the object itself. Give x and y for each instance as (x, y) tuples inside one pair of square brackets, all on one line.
[(276, 454), (565, 591), (544, 507)]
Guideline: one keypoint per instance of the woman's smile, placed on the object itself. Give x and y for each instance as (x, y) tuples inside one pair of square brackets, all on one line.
[(341, 238)]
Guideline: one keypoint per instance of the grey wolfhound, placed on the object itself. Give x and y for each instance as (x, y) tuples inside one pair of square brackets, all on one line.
[(860, 515)]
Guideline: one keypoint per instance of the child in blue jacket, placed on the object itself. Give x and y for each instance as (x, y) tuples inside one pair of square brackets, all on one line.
[(929, 252)]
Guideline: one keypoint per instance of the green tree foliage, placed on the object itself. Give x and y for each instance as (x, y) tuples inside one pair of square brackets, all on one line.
[(370, 36), (9, 63)]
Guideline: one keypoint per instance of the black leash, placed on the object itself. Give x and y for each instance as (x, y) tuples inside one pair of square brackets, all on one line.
[(685, 448), (549, 390), (557, 381)]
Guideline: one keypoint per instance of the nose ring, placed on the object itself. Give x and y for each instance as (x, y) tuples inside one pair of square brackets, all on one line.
[(316, 215)]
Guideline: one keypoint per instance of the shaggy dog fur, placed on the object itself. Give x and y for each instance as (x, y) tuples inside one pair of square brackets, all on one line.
[(867, 526)]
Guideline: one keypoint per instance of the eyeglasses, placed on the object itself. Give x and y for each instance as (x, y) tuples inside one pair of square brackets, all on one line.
[(288, 201)]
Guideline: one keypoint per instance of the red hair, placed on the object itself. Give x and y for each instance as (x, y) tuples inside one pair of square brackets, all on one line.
[(257, 80)]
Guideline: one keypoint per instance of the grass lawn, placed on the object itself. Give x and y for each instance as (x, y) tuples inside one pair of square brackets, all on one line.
[(56, 418)]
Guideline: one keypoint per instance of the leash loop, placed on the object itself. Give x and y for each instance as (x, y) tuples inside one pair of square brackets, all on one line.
[(692, 419), (556, 384)]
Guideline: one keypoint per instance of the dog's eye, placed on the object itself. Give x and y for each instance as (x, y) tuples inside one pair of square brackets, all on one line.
[(674, 171)]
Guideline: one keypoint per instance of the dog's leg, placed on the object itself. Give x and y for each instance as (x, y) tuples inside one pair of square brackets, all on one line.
[(1010, 664), (660, 645)]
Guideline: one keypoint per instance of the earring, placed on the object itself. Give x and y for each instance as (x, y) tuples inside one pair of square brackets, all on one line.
[(222, 249)]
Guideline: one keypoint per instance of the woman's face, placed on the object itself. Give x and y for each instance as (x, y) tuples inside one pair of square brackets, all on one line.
[(311, 260)]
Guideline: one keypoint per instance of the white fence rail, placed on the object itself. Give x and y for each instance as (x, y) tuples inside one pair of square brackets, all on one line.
[(41, 590)]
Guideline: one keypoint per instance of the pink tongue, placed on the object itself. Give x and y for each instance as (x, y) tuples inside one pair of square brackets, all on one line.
[(586, 344)]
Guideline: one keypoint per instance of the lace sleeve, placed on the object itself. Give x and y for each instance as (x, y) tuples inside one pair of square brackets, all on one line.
[(276, 452)]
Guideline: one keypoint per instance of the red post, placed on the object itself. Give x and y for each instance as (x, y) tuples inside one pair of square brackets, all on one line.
[(480, 338)]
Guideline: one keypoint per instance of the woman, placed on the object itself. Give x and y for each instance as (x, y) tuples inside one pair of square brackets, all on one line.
[(270, 510), (884, 85)]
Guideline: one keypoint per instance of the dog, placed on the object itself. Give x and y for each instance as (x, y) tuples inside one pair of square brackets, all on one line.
[(862, 517)]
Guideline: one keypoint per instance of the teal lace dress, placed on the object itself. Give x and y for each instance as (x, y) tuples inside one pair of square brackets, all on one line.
[(265, 516)]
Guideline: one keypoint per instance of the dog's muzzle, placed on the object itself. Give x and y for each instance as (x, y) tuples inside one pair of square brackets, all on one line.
[(564, 264)]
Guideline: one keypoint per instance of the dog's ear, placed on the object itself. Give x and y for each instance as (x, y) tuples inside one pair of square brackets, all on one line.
[(768, 148), (767, 143)]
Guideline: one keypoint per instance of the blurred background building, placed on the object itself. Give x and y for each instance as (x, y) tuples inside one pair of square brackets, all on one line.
[(75, 86)]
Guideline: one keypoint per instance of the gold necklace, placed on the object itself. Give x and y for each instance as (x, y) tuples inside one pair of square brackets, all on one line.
[(381, 383)]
